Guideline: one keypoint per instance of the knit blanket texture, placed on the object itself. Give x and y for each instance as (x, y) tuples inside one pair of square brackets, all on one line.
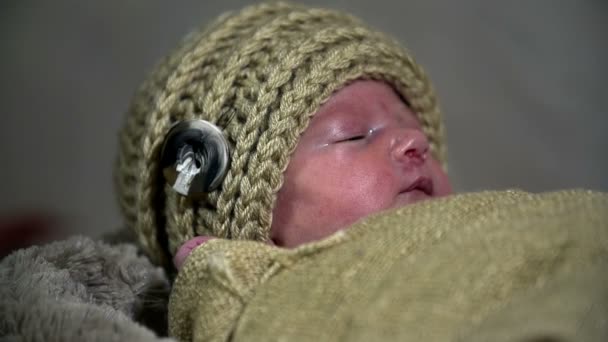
[(489, 266)]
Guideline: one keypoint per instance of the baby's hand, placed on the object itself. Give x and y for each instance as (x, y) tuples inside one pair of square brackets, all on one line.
[(187, 248), (214, 283)]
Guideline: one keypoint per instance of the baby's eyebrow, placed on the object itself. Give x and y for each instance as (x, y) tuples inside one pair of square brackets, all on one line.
[(325, 118)]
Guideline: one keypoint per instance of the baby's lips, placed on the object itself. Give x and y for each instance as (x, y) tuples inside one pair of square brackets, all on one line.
[(187, 248)]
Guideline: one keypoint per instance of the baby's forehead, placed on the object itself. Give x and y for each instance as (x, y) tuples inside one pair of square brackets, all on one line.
[(363, 99)]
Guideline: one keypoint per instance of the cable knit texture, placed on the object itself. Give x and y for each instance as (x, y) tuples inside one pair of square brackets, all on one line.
[(259, 74)]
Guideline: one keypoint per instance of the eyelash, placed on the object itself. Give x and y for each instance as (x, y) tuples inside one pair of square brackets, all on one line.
[(357, 137)]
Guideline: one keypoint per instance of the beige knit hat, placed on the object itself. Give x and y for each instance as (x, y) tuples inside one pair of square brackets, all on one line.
[(259, 75)]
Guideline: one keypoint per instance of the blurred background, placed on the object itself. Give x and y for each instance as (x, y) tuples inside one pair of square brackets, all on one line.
[(522, 85)]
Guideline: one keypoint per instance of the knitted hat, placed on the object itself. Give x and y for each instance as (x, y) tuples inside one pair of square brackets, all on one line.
[(259, 75)]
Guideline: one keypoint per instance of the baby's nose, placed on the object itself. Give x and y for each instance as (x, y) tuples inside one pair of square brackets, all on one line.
[(411, 146)]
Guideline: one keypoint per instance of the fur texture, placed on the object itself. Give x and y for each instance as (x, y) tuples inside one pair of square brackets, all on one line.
[(81, 290)]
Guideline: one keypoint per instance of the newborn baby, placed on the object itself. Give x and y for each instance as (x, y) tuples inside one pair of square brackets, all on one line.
[(364, 151), (333, 130)]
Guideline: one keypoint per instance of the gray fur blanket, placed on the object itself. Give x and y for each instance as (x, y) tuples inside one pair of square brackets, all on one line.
[(81, 290)]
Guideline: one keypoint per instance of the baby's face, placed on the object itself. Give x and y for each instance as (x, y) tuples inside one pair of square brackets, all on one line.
[(364, 151)]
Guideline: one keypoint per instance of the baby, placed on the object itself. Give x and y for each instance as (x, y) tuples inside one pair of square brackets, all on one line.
[(325, 121), (284, 124), (364, 151)]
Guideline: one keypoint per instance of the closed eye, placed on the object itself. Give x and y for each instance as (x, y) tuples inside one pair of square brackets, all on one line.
[(357, 137), (354, 138)]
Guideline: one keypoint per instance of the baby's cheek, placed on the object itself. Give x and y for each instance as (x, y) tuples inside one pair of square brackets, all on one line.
[(442, 184), (370, 191)]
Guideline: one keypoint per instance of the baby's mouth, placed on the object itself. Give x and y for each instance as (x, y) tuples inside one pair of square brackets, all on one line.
[(422, 184), (421, 189)]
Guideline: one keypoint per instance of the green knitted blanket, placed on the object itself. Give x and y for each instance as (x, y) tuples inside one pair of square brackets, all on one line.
[(492, 266)]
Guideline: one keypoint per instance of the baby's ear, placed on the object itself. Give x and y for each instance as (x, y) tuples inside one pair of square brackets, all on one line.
[(214, 284)]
